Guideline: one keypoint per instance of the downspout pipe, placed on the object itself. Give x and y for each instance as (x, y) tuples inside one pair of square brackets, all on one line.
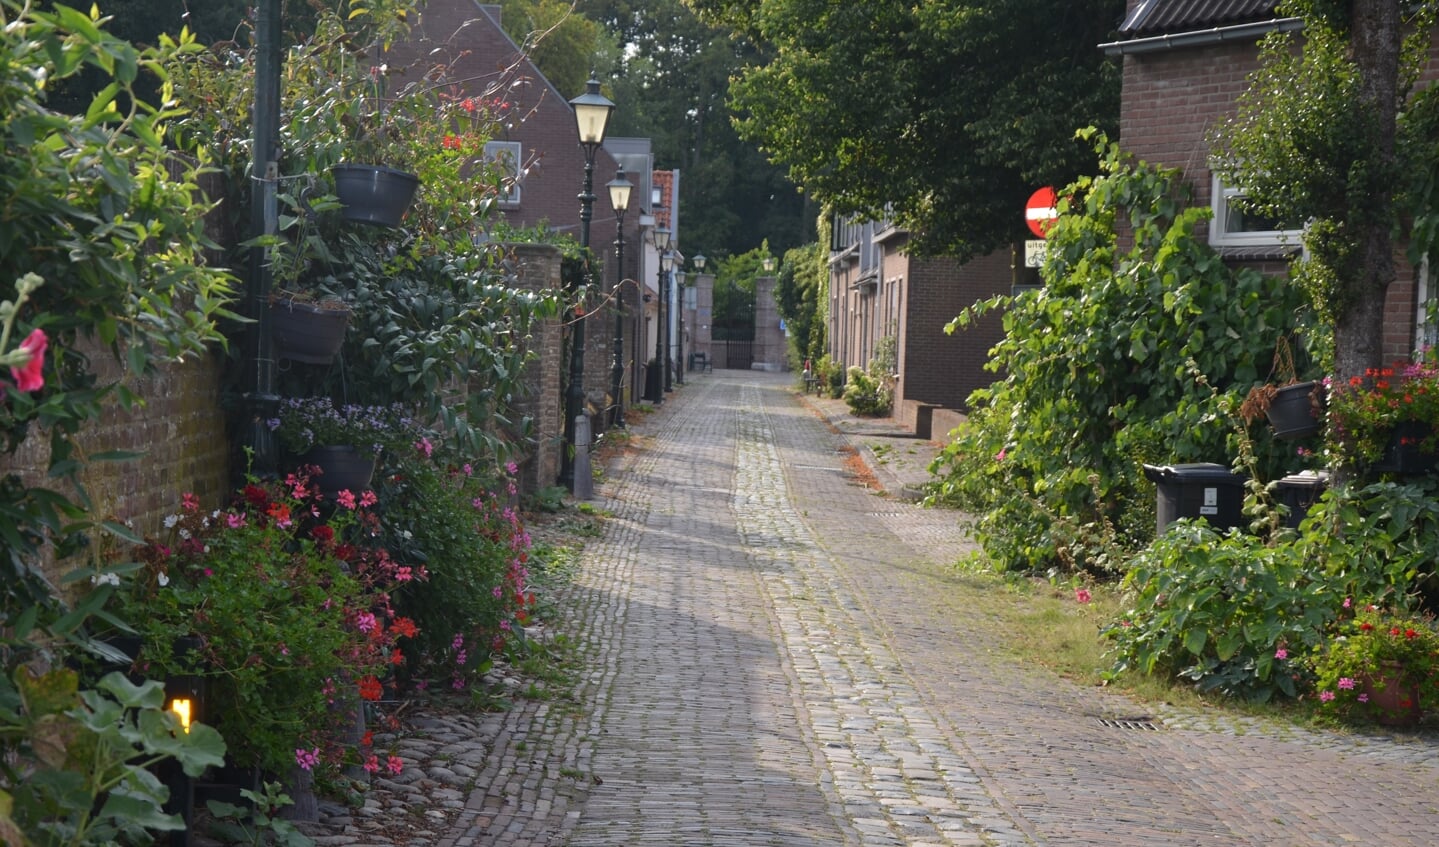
[(1201, 37)]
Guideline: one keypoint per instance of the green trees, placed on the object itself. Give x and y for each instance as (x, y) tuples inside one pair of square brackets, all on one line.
[(1334, 132), (933, 111)]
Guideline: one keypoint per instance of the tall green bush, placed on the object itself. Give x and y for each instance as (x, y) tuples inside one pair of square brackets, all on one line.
[(1099, 372)]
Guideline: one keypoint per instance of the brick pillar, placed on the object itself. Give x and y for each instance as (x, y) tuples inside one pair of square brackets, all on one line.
[(538, 269), (769, 342)]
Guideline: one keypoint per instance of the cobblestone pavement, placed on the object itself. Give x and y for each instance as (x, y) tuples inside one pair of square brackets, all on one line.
[(774, 657)]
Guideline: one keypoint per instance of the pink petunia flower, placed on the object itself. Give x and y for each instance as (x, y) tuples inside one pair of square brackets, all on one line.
[(1082, 595), (1326, 696), (30, 376), (1346, 683), (1281, 653)]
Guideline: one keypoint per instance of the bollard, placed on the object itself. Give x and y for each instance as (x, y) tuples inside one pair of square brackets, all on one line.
[(584, 476)]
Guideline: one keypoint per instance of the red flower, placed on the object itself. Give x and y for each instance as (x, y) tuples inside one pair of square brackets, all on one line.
[(405, 627), (256, 496), (370, 688), (1365, 626), (323, 534), (28, 377), (1409, 633)]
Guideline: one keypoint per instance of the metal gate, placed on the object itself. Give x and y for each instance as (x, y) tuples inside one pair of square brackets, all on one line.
[(733, 355)]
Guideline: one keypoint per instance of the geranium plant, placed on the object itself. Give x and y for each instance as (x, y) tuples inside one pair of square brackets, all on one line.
[(292, 612), (317, 422), (1379, 652), (1368, 411)]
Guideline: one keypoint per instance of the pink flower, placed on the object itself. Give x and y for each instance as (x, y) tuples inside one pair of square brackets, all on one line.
[(1326, 696), (346, 498), (1082, 595), (1346, 683), (307, 759), (395, 764), (1346, 602), (30, 376), (368, 499), (1281, 653), (234, 521), (999, 457), (372, 764), (365, 622), (424, 446), (1363, 698), (189, 502), (511, 468)]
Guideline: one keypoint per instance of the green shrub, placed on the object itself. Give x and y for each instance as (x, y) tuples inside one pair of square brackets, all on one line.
[(871, 392), (1100, 373)]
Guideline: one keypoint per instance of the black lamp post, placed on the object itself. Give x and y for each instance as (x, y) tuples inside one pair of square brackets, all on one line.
[(620, 201), (667, 267), (656, 385), (592, 113)]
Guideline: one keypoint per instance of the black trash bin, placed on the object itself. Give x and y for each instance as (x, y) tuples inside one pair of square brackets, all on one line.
[(1198, 490), (1298, 492)]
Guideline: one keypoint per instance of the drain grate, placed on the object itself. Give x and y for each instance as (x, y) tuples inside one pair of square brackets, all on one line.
[(1143, 724)]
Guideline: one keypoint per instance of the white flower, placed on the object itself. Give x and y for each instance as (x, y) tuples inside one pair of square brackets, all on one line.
[(163, 579), (105, 579), (171, 520), (185, 534)]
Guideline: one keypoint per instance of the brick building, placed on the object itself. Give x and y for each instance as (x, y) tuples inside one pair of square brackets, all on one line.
[(1185, 62), (877, 290), (538, 141)]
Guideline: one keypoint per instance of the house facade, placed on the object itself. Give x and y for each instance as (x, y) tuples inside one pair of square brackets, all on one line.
[(878, 291), (1185, 64), (537, 143)]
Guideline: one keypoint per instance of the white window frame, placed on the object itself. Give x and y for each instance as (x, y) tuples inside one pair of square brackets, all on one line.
[(1220, 197), (499, 151)]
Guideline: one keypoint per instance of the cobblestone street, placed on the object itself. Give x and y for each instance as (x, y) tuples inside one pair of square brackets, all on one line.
[(773, 658)]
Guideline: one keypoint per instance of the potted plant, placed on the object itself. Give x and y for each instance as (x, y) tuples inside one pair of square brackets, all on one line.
[(288, 606), (342, 441), (307, 327), (1380, 667), (1294, 408), (1384, 420)]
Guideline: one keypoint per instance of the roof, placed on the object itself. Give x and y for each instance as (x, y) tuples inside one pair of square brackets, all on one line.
[(1153, 17)]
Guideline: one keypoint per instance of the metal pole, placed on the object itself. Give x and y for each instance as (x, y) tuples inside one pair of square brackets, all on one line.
[(669, 342), (659, 390), (264, 213), (575, 394), (617, 373)]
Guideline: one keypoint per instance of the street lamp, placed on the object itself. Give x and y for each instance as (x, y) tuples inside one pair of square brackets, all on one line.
[(768, 263), (662, 246), (620, 201), (667, 264), (592, 113), (699, 262)]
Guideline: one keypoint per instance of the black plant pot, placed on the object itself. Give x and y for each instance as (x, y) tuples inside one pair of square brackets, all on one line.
[(343, 468), (374, 194), (1406, 452), (1294, 412), (306, 332)]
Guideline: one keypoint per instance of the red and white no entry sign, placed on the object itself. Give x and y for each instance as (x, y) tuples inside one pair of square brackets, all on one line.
[(1039, 212)]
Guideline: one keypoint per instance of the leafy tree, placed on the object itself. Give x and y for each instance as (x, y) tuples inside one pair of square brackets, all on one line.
[(1102, 373), (561, 43), (671, 79), (800, 295), (944, 114), (1333, 131)]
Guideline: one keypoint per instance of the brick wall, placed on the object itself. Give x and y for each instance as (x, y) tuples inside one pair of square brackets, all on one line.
[(935, 367), (180, 432)]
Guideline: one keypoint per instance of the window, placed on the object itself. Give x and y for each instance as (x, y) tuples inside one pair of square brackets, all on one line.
[(506, 155), (1233, 226)]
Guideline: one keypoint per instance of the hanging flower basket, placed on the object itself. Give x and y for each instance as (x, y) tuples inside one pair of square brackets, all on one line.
[(374, 194), (308, 332), (1296, 410), (343, 468)]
